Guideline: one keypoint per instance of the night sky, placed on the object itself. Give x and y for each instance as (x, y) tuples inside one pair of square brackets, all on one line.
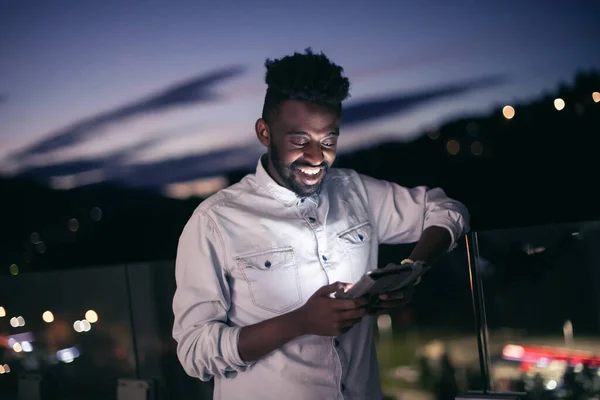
[(100, 87)]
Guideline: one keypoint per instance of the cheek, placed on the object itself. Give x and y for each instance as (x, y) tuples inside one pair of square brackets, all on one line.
[(330, 156)]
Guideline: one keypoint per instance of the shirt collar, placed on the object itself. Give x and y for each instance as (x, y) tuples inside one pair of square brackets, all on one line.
[(280, 193)]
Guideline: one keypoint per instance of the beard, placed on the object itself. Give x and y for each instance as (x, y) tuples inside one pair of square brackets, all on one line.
[(289, 173)]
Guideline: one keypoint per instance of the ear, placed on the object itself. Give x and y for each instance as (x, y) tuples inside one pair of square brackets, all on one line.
[(262, 132)]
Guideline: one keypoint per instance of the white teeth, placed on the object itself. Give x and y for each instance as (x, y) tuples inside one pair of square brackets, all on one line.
[(310, 171)]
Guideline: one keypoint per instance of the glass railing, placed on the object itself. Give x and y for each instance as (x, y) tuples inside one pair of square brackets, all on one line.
[(88, 333), (542, 284)]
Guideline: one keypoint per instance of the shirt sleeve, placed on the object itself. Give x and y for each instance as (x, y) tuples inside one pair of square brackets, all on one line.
[(401, 214), (206, 345)]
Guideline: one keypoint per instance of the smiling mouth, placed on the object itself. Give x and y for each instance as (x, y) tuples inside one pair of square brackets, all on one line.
[(310, 175)]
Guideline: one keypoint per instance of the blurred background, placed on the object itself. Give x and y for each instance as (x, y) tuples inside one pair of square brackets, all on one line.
[(118, 118)]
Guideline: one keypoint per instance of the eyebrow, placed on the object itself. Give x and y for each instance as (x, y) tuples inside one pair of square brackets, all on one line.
[(332, 133)]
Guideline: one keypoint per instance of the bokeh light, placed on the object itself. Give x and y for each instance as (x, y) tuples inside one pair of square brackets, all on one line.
[(40, 247), (77, 326), (48, 317), (91, 316), (96, 214), (27, 347), (2, 312), (73, 225), (596, 97), (434, 134), (559, 104), (14, 322), (34, 237), (508, 112), (21, 321), (453, 147), (17, 348), (85, 325), (476, 148), (14, 269)]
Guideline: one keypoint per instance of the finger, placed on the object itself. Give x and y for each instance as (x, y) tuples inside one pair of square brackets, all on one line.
[(328, 289), (350, 304), (353, 314)]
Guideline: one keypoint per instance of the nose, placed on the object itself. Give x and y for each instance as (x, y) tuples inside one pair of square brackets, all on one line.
[(313, 154)]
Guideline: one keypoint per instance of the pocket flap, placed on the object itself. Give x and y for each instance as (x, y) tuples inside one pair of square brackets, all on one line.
[(267, 260), (357, 235)]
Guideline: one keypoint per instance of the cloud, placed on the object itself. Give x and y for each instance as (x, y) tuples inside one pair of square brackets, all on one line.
[(116, 167), (196, 90), (371, 109), (187, 168), (106, 163)]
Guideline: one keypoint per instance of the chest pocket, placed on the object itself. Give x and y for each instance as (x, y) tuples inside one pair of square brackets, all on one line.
[(272, 277), (356, 242)]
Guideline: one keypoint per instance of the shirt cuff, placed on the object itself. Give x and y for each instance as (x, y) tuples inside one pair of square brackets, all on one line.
[(232, 338)]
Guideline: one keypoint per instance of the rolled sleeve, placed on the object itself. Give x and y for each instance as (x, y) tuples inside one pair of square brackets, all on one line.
[(401, 214), (442, 211), (206, 345)]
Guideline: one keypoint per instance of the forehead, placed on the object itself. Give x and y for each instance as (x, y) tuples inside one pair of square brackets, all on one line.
[(296, 115)]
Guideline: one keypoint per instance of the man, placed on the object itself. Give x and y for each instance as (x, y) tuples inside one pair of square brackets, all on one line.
[(258, 263)]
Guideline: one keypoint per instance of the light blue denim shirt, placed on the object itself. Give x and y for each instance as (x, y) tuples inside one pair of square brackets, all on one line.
[(256, 250)]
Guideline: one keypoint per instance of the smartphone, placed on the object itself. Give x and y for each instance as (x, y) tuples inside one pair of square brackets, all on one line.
[(387, 279)]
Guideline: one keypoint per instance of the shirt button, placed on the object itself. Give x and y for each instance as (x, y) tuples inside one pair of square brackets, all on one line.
[(301, 200), (324, 258), (312, 219)]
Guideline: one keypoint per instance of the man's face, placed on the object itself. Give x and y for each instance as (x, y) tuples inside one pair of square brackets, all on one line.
[(302, 141)]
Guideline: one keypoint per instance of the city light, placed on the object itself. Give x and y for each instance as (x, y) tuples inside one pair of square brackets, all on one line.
[(17, 348), (2, 312), (596, 97), (34, 237), (73, 225), (14, 269), (14, 322), (67, 355), (85, 325), (96, 214), (4, 369), (77, 326), (453, 147), (559, 103), (91, 316), (508, 112), (476, 148), (434, 134), (47, 316), (40, 247), (21, 321), (27, 347)]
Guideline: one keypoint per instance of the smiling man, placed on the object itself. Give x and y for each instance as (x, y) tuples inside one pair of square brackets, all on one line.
[(258, 262)]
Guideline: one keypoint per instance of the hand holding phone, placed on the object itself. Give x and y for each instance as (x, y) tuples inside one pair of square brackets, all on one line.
[(384, 280)]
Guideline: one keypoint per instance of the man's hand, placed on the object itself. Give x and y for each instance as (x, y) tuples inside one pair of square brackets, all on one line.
[(326, 316), (391, 301)]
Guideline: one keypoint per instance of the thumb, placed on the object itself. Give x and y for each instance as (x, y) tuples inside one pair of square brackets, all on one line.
[(328, 289)]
